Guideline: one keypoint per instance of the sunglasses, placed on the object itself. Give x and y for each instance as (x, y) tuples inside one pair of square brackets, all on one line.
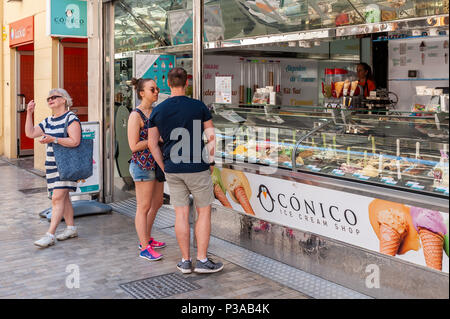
[(154, 89), (54, 97)]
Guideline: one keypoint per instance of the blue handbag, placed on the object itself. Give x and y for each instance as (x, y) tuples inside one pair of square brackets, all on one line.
[(74, 163)]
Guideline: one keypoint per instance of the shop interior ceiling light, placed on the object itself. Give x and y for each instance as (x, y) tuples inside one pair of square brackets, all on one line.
[(311, 35), (304, 44)]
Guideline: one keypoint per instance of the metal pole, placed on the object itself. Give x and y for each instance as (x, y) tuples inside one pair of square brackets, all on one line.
[(108, 100), (197, 69)]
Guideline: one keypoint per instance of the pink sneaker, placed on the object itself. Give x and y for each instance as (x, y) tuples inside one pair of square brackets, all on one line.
[(156, 244), (150, 254)]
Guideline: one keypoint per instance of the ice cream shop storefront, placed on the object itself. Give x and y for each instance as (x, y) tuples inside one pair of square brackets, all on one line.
[(331, 121)]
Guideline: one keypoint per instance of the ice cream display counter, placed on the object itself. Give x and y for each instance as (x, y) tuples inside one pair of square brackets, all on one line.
[(372, 187), (408, 154)]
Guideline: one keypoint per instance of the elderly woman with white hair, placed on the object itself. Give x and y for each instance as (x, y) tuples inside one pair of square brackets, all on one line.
[(51, 131)]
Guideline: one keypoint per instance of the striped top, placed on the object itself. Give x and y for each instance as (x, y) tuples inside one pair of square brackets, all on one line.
[(54, 126)]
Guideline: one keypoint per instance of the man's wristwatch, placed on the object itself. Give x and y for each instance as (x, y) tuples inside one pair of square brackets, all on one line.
[(56, 140)]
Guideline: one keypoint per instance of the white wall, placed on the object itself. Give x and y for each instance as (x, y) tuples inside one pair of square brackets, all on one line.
[(406, 55)]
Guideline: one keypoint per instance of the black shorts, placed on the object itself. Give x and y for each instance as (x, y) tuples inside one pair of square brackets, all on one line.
[(159, 174)]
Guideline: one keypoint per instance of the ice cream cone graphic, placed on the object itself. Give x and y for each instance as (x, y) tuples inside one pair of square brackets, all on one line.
[(220, 195), (432, 247), (432, 229), (219, 189), (446, 241), (390, 240), (393, 226), (239, 188), (241, 196)]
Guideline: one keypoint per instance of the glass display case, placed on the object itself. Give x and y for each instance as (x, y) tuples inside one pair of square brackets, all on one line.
[(146, 25), (395, 151), (143, 24)]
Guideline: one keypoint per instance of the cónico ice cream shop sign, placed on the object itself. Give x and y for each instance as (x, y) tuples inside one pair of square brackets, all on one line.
[(413, 234), (67, 18)]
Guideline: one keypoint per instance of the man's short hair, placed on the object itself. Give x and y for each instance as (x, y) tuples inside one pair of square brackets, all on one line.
[(177, 77)]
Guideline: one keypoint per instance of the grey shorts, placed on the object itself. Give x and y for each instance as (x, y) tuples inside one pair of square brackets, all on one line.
[(198, 184)]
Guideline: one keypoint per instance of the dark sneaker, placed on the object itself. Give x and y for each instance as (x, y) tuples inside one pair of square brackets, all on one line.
[(207, 267), (185, 266)]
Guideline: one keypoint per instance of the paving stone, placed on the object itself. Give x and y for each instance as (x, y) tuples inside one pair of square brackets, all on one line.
[(106, 253)]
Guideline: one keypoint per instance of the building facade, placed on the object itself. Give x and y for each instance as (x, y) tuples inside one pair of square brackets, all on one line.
[(45, 45), (286, 48)]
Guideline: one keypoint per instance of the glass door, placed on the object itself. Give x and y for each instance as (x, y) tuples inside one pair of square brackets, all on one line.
[(144, 30)]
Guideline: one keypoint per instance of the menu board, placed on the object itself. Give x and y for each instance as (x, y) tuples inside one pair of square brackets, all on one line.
[(426, 55), (223, 89)]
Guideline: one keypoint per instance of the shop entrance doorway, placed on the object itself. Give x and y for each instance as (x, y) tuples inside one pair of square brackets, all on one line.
[(74, 74), (25, 93)]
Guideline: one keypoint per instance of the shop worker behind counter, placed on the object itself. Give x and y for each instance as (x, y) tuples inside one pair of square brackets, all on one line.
[(365, 78), (181, 122)]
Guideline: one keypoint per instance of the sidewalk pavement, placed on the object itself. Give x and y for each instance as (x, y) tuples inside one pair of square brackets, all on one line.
[(105, 253)]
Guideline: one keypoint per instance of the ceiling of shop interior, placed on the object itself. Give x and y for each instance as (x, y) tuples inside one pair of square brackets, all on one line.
[(324, 51), (260, 52)]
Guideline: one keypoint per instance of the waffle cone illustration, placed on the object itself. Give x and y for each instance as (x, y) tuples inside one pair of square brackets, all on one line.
[(431, 228), (446, 241), (433, 244), (236, 183), (390, 240), (393, 225), (240, 195), (219, 188), (221, 197)]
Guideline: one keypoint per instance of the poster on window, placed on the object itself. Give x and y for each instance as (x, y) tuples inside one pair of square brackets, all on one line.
[(91, 131), (223, 89), (156, 67)]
